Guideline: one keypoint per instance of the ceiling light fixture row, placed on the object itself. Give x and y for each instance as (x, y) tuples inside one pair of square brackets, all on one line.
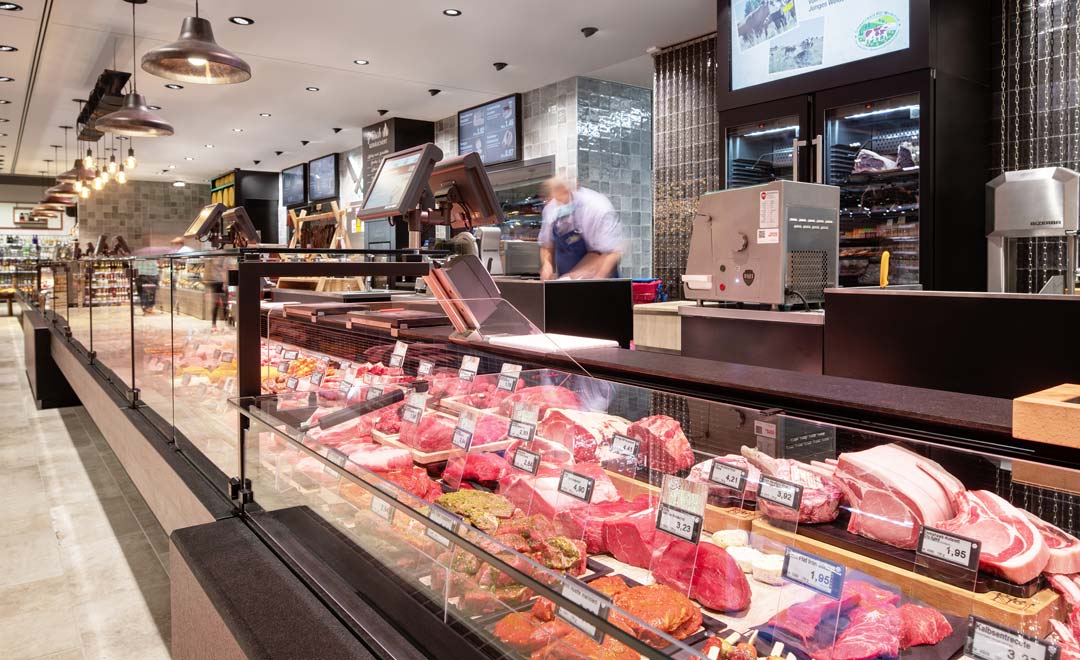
[(195, 57)]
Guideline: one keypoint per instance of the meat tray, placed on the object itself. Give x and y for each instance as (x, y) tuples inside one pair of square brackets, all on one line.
[(456, 404)]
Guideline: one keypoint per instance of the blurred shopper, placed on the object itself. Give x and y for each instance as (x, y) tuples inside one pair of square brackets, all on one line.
[(213, 279), (179, 247), (146, 283), (581, 236)]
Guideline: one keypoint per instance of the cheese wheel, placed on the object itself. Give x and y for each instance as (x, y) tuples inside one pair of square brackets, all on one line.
[(769, 569), (744, 556), (728, 538)]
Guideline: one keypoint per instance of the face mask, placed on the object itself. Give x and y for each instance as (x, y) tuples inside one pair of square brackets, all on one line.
[(564, 211)]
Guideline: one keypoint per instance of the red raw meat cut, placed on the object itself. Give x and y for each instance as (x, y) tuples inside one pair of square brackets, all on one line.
[(446, 383), (664, 446), (871, 633), (1064, 547), (588, 523), (479, 466), (893, 492), (702, 471), (582, 432), (553, 456), (542, 396), (633, 538), (922, 625), (801, 620), (390, 421), (433, 433), (416, 481), (706, 572), (870, 595), (490, 429), (820, 497), (540, 494), (1068, 586), (382, 459), (1012, 546)]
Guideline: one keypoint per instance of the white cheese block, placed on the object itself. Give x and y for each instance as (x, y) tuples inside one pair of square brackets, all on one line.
[(729, 538), (744, 556), (769, 569)]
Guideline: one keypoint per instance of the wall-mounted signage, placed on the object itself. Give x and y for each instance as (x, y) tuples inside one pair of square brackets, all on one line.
[(493, 130)]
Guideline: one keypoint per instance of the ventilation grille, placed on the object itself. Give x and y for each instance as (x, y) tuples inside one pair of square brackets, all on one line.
[(808, 273)]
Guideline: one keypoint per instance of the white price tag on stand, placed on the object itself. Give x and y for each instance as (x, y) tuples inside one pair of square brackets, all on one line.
[(463, 433), (344, 387), (625, 446), (989, 641), (778, 491), (587, 599), (336, 457), (413, 410), (730, 476), (508, 377), (815, 573), (444, 519), (382, 508), (425, 368), (679, 523), (576, 485), (526, 461), (373, 392), (397, 358), (523, 422), (470, 365), (958, 550), (290, 355)]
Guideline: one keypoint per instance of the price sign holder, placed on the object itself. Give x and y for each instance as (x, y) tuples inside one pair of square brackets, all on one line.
[(283, 366), (576, 485), (470, 366), (948, 557), (382, 508), (445, 520), (291, 382), (989, 641), (680, 514), (523, 422), (592, 601), (425, 368), (815, 573), (290, 355), (226, 357), (397, 358), (508, 377), (336, 457), (732, 477), (626, 450), (461, 443), (345, 387), (525, 460), (413, 409), (373, 392)]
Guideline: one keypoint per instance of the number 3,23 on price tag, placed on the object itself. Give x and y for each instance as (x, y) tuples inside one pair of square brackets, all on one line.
[(989, 641), (813, 572), (679, 523)]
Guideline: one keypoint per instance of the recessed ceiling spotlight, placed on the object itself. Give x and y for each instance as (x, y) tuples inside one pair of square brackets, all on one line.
[(241, 20), (6, 79), (304, 143), (361, 62), (265, 114), (499, 66), (10, 6), (178, 184), (312, 89), (451, 12), (589, 31), (154, 107), (4, 121), (4, 102), (188, 158), (7, 49), (209, 146), (172, 167), (3, 134), (434, 92), (237, 130), (173, 86)]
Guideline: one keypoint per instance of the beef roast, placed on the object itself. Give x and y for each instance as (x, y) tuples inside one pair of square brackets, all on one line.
[(1012, 546), (1064, 547), (541, 396), (582, 432), (540, 494), (633, 538), (706, 572), (664, 446), (476, 466), (588, 522), (820, 497), (433, 433)]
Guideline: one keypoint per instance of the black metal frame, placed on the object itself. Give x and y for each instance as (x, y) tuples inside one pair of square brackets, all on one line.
[(799, 106)]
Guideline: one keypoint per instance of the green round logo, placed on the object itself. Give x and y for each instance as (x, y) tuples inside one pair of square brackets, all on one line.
[(878, 30)]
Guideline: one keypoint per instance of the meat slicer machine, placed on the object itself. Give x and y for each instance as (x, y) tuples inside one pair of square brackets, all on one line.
[(774, 244), (1032, 231)]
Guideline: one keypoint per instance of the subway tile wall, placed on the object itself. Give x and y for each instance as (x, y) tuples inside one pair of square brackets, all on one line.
[(145, 213)]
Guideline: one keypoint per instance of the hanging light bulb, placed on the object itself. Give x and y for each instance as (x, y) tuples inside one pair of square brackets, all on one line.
[(112, 164), (121, 177), (99, 183), (84, 193), (195, 57), (78, 185), (131, 162), (88, 162), (134, 118)]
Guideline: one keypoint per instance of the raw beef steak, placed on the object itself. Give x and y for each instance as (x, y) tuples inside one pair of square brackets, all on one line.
[(1012, 546), (583, 433), (706, 572), (664, 446), (870, 633), (478, 466), (820, 497), (540, 494), (633, 538), (433, 433), (543, 397), (588, 523), (922, 625)]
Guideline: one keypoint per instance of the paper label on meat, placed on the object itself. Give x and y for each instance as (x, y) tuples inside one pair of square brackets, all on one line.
[(587, 599), (989, 641), (679, 523), (815, 573), (778, 491), (730, 476), (576, 485), (958, 550), (397, 358)]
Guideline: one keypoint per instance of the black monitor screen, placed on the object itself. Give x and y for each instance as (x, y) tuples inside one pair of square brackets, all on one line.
[(322, 178), (493, 130), (392, 181), (293, 182)]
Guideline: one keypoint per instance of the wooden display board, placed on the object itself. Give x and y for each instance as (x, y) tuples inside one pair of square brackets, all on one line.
[(1051, 416), (339, 240)]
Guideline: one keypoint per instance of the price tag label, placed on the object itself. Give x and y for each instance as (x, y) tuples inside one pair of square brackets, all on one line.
[(679, 523), (336, 457), (291, 382), (397, 358), (283, 366), (463, 433), (217, 354), (425, 368), (373, 392), (815, 573), (576, 485), (227, 356), (587, 599), (778, 491), (382, 508), (958, 550), (989, 641), (185, 380), (765, 429), (521, 430), (508, 377), (470, 365), (526, 461), (344, 387), (228, 385), (413, 410), (290, 355), (316, 378), (625, 446), (730, 476), (444, 519)]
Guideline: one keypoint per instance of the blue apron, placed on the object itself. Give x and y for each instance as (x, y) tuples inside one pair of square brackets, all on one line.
[(570, 247)]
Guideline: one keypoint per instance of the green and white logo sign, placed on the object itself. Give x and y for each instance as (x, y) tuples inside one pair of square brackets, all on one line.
[(878, 30)]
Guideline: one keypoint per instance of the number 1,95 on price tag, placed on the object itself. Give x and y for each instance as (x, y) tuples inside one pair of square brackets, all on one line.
[(958, 550), (813, 572), (989, 641)]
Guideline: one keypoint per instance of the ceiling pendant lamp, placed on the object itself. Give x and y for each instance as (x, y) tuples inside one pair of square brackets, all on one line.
[(121, 176), (130, 160), (63, 186), (134, 118), (40, 213), (77, 171), (195, 57), (55, 201)]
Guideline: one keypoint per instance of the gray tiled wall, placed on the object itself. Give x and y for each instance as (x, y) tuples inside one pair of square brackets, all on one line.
[(600, 134), (145, 213)]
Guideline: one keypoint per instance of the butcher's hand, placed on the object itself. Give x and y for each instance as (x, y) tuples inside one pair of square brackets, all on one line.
[(547, 272)]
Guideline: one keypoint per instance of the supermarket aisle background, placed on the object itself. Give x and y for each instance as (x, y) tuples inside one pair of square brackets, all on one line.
[(83, 562)]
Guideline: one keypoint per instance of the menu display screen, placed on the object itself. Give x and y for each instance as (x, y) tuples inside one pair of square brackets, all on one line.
[(293, 181), (776, 39), (323, 178), (392, 181), (493, 130)]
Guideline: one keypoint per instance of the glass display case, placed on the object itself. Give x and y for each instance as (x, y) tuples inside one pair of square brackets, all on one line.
[(761, 151), (527, 511)]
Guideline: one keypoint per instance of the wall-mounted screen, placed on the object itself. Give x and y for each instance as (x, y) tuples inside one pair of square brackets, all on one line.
[(492, 130), (294, 185), (776, 39), (323, 178)]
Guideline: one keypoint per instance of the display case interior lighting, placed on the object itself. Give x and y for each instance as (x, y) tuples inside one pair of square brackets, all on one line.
[(772, 131), (883, 111), (196, 57)]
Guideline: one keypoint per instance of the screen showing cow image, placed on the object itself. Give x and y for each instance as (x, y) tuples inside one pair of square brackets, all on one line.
[(293, 181), (322, 178), (492, 130), (392, 181), (776, 39)]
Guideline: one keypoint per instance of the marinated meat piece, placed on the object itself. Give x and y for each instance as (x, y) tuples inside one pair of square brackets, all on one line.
[(922, 625), (582, 432), (1064, 547), (577, 646), (870, 633), (514, 542), (534, 529), (718, 582), (562, 554), (1012, 546), (702, 471), (524, 633), (478, 466), (381, 459), (660, 607), (820, 497), (433, 433), (543, 397), (588, 523), (664, 446), (483, 601), (481, 509), (609, 585)]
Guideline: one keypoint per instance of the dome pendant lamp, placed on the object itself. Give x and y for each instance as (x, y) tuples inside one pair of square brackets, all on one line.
[(195, 57), (134, 118), (62, 187)]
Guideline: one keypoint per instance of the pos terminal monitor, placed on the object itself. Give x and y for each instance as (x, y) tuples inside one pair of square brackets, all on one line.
[(206, 224), (400, 183), (464, 184)]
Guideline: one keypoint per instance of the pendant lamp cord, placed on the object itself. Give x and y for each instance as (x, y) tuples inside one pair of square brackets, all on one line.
[(134, 64), (196, 8)]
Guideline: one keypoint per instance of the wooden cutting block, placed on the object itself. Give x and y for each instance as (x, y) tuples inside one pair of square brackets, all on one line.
[(1051, 416)]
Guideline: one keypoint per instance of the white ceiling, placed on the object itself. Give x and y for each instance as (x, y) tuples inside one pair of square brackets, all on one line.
[(412, 47)]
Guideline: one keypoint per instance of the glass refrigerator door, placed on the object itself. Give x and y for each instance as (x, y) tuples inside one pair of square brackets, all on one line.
[(761, 152), (872, 154)]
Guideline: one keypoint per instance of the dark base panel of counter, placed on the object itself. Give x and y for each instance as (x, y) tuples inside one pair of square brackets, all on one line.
[(602, 309), (47, 383), (791, 346)]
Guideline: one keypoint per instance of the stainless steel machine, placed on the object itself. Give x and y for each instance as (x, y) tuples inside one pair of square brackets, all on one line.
[(772, 244), (1032, 226), (488, 241)]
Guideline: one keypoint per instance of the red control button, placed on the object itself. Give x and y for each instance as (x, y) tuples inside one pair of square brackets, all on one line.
[(723, 287)]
